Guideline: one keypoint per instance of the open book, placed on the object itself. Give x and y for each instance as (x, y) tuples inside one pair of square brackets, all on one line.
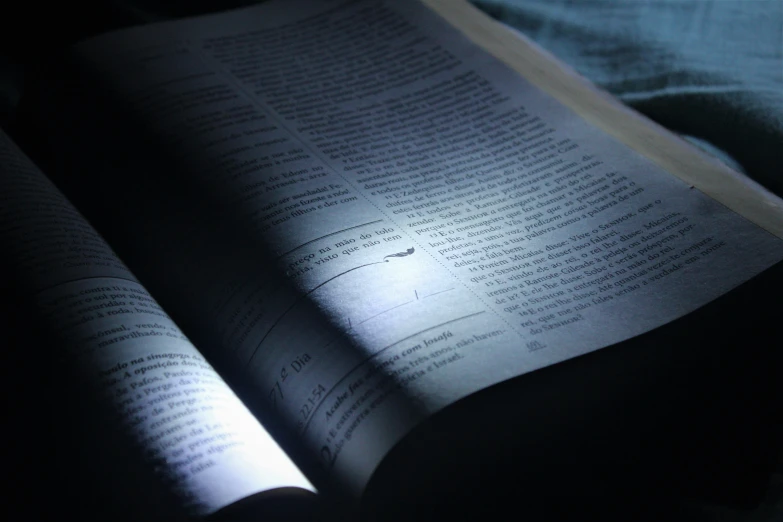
[(395, 229)]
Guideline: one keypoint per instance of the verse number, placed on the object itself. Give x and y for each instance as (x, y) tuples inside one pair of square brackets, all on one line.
[(311, 402)]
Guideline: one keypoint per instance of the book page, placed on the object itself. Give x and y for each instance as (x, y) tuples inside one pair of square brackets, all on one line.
[(108, 331), (370, 217), (675, 155)]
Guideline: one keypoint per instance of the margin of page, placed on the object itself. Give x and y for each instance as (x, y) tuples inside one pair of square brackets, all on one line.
[(675, 155)]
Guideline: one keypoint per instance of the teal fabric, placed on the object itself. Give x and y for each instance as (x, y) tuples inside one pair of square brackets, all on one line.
[(709, 70)]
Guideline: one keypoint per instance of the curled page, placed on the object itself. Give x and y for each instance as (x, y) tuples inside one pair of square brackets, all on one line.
[(110, 333)]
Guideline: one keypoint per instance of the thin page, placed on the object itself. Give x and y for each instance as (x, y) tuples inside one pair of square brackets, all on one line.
[(370, 217), (109, 332)]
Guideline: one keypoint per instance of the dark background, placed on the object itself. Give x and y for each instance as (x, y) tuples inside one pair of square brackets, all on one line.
[(705, 438)]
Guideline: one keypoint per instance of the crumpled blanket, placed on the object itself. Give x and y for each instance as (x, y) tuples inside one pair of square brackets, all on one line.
[(711, 71)]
